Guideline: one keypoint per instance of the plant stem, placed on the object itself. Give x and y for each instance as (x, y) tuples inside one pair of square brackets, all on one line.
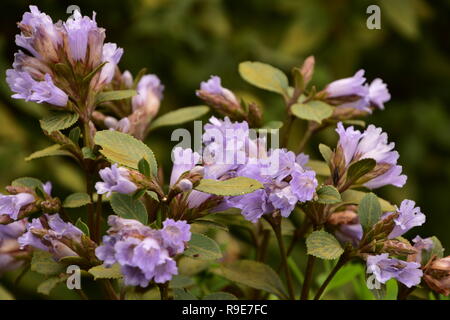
[(110, 292), (163, 290), (305, 139), (277, 229), (308, 278), (341, 262)]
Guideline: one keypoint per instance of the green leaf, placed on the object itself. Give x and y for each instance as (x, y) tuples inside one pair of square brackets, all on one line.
[(101, 272), (74, 135), (231, 187), (144, 167), (179, 116), (88, 153), (82, 226), (47, 286), (359, 169), (211, 224), (124, 149), (180, 281), (127, 207), (76, 200), (115, 95), (203, 248), (326, 152), (345, 275), (54, 150), (5, 294), (273, 125), (27, 182), (320, 167), (220, 296), (323, 245), (43, 263), (313, 110), (369, 211), (355, 197), (182, 294), (264, 76), (328, 195), (254, 274), (58, 121)]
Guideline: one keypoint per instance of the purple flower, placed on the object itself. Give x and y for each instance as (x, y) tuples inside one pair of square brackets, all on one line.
[(25, 87), (422, 245), (9, 247), (409, 217), (352, 86), (78, 29), (253, 205), (378, 93), (55, 237), (175, 235), (111, 55), (183, 160), (214, 87), (304, 185), (384, 269), (123, 125), (149, 95), (12, 204), (115, 179), (352, 233), (144, 254), (373, 144)]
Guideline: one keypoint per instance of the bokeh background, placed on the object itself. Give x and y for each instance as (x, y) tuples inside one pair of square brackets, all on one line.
[(185, 41)]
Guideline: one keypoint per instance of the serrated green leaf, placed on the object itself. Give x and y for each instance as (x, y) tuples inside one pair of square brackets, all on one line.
[(369, 211), (47, 285), (54, 150), (76, 200), (323, 245), (254, 274), (115, 95), (127, 207), (220, 296), (58, 121), (231, 187), (328, 195), (144, 167), (82, 226), (101, 272), (313, 110), (42, 262), (124, 149), (179, 116), (203, 248), (359, 169), (27, 182), (264, 76), (326, 152), (355, 197)]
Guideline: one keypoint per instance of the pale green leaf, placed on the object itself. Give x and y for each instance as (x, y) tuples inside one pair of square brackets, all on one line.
[(355, 197), (127, 207), (76, 200), (43, 263), (115, 95), (58, 121), (313, 110), (369, 211), (47, 285), (323, 245), (264, 76), (179, 116), (231, 187), (27, 182), (54, 150), (124, 149), (203, 248), (319, 167), (326, 152), (101, 272), (82, 226), (182, 294), (328, 195)]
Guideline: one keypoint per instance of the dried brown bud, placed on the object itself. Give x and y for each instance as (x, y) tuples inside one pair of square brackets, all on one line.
[(398, 248)]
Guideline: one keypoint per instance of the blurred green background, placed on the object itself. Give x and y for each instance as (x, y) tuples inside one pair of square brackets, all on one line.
[(185, 41)]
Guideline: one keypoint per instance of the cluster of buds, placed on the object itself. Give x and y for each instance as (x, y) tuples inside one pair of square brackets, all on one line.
[(226, 103), (133, 117), (24, 201), (64, 61), (62, 239)]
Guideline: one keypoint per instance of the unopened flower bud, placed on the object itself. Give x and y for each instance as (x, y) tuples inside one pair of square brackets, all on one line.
[(185, 185)]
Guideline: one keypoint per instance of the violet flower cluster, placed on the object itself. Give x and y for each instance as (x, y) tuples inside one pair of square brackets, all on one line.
[(115, 179), (144, 254), (373, 144), (362, 95), (78, 41), (10, 251)]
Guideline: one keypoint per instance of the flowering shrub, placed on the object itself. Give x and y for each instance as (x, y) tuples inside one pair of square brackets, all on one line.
[(144, 233)]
